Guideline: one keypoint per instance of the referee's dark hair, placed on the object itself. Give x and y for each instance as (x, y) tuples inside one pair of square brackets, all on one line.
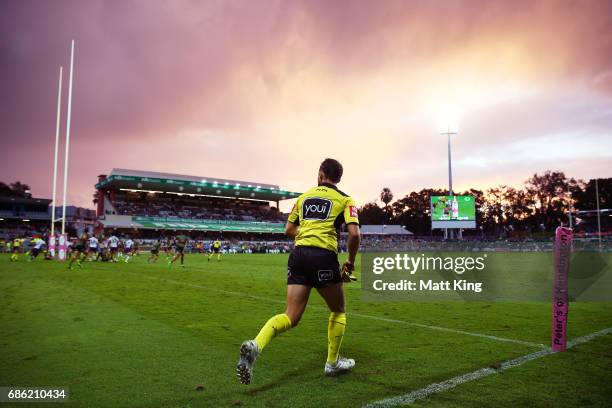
[(332, 169)]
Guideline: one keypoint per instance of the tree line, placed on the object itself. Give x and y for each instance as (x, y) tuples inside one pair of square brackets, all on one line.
[(16, 189), (540, 204)]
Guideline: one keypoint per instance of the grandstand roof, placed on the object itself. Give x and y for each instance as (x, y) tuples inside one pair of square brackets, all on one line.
[(177, 183), (25, 200), (24, 208), (175, 223)]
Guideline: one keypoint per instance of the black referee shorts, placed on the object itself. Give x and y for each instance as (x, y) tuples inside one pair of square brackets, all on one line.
[(314, 267)]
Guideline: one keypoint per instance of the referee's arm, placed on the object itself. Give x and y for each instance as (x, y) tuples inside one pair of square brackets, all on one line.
[(291, 229), (293, 222), (351, 218), (354, 238)]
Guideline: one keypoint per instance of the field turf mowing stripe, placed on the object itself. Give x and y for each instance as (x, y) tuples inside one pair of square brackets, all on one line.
[(106, 353), (382, 319)]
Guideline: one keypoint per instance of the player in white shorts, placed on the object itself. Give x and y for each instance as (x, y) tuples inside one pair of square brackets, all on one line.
[(128, 246), (113, 246), (37, 245), (92, 248)]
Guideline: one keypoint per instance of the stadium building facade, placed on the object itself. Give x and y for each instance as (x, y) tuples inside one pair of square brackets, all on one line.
[(133, 199), (23, 215)]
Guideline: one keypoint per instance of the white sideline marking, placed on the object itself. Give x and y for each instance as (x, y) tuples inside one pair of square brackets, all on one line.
[(382, 319), (445, 329), (475, 375)]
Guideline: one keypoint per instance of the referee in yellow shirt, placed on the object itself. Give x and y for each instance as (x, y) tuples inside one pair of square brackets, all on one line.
[(314, 222)]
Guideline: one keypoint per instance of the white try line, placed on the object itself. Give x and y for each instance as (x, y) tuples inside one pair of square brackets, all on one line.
[(436, 388), (382, 319)]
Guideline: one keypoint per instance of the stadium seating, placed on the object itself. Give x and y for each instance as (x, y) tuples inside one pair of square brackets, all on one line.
[(199, 208)]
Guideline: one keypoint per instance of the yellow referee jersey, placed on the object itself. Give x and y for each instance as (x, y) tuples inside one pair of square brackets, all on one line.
[(320, 212)]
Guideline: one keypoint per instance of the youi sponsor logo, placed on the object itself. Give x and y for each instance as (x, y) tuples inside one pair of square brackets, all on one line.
[(316, 208)]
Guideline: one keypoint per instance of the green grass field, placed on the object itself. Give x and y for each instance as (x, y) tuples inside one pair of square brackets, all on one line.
[(144, 335)]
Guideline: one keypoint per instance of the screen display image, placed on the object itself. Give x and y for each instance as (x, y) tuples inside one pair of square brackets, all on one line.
[(453, 208)]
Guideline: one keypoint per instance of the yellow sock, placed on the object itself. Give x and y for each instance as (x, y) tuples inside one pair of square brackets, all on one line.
[(273, 327), (335, 332)]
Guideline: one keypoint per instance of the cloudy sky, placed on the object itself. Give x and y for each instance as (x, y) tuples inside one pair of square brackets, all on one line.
[(264, 90)]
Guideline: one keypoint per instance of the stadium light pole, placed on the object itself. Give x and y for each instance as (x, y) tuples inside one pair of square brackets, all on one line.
[(57, 132), (448, 132), (598, 213), (569, 193), (67, 136)]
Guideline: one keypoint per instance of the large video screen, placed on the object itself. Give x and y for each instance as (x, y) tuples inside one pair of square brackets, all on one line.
[(453, 208)]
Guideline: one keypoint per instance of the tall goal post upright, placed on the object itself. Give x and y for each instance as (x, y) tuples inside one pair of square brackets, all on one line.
[(68, 118), (63, 243), (51, 242)]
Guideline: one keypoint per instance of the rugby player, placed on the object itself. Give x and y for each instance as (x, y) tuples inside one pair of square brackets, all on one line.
[(154, 251), (215, 248), (15, 249), (168, 249), (128, 245), (113, 247), (92, 249), (102, 248), (314, 223), (79, 250), (179, 246), (37, 245), (136, 248)]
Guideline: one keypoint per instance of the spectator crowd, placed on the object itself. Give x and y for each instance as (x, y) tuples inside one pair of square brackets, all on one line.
[(195, 207)]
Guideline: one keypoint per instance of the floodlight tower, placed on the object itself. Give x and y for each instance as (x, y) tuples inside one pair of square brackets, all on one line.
[(598, 212), (448, 131)]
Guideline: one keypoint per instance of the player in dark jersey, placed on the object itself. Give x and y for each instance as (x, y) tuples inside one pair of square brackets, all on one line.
[(154, 251), (80, 250), (167, 246), (180, 241), (314, 222)]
